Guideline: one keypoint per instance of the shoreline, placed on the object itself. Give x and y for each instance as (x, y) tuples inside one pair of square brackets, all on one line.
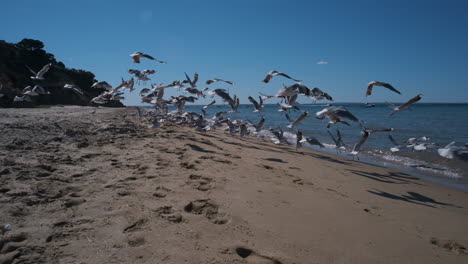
[(87, 184)]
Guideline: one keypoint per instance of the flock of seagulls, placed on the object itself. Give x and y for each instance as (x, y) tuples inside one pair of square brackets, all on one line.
[(288, 95)]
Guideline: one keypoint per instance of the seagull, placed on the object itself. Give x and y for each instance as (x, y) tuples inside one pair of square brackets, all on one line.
[(258, 126), (396, 147), (210, 104), (314, 141), (377, 83), (318, 94), (243, 130), (233, 102), (74, 88), (301, 117), (1, 87), (34, 91), (279, 135), (126, 84), (141, 75), (193, 83), (405, 105), (39, 75), (365, 134), (335, 113), (23, 98), (218, 80), (299, 139), (274, 73), (258, 106), (137, 55), (101, 85), (357, 147)]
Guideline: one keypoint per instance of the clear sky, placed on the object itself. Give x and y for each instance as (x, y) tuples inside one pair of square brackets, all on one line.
[(417, 46)]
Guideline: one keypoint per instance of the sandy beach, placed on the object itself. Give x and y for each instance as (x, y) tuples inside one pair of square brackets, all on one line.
[(88, 185)]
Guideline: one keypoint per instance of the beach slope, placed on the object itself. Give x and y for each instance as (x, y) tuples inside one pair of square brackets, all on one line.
[(88, 185)]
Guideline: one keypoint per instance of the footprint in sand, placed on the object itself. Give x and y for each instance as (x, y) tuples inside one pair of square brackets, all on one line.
[(251, 257), (161, 192), (208, 208), (200, 183), (168, 213), (10, 247), (450, 245)]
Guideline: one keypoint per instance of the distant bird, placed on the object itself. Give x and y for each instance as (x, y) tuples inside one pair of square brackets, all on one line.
[(210, 104), (377, 83), (40, 75), (335, 113), (1, 87), (137, 55), (74, 88), (406, 105), (258, 106), (218, 80), (274, 73), (301, 117)]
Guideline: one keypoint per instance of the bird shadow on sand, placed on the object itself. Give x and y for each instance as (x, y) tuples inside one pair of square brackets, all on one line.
[(390, 177), (414, 198)]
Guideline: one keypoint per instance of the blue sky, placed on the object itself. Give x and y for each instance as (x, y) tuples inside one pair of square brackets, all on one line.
[(417, 46)]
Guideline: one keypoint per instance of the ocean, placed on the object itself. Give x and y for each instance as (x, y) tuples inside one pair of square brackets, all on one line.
[(440, 123)]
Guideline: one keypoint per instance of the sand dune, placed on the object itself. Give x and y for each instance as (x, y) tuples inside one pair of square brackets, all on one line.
[(86, 185)]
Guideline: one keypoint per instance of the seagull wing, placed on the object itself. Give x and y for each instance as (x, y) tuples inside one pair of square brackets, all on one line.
[(342, 112), (268, 77), (44, 70), (33, 72), (369, 88), (357, 147), (287, 76), (147, 56), (254, 102), (411, 101), (391, 88)]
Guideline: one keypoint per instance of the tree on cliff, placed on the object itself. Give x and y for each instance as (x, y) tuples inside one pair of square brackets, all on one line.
[(15, 76)]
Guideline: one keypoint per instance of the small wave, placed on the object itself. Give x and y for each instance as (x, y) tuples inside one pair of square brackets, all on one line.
[(422, 166)]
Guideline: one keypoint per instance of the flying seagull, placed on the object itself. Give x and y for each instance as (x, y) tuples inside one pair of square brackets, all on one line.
[(39, 75), (301, 117), (210, 104), (405, 105), (258, 106), (274, 73), (335, 113), (137, 55), (73, 87), (233, 102), (218, 80), (377, 83)]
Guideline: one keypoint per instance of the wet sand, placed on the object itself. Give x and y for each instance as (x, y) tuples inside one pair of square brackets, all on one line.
[(87, 185)]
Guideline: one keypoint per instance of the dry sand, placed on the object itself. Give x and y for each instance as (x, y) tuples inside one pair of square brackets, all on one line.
[(80, 185)]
